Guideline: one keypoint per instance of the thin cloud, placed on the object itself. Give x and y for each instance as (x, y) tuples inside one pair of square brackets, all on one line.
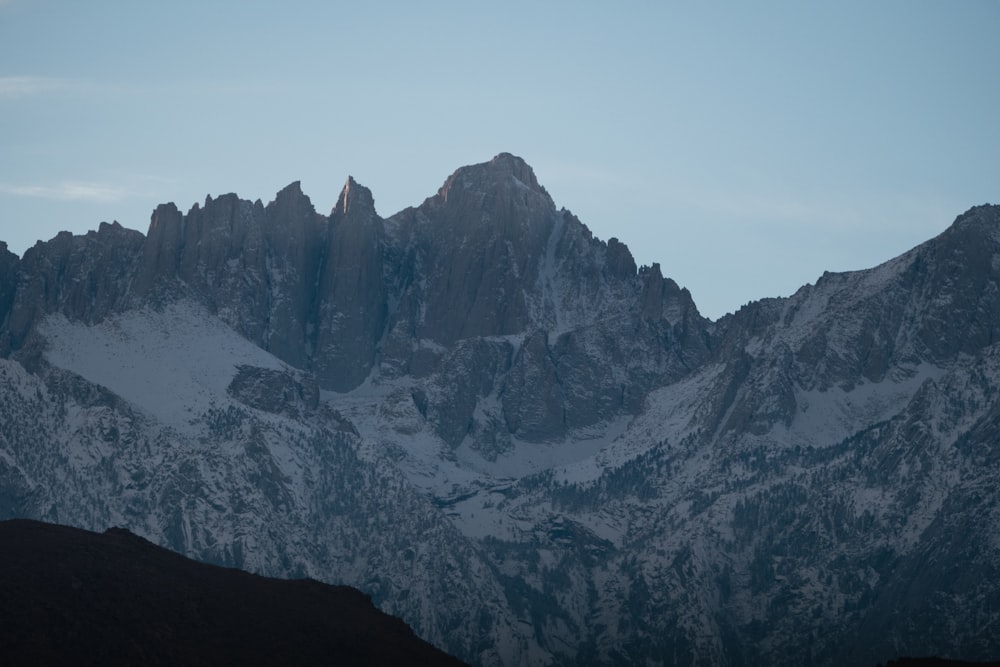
[(14, 87), (19, 87), (67, 191)]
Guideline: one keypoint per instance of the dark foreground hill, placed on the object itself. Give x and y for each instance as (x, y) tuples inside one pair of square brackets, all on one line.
[(69, 596), (936, 662)]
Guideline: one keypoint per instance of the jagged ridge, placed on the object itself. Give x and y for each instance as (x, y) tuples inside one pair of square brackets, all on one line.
[(349, 294)]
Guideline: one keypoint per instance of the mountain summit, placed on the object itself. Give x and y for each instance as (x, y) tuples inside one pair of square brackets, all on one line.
[(500, 176), (511, 436)]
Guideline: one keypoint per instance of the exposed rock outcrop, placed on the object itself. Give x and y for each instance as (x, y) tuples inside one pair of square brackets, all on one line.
[(8, 287), (83, 277), (352, 297), (278, 392)]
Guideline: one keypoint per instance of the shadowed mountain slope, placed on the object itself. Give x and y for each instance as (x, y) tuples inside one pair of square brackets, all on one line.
[(69, 596)]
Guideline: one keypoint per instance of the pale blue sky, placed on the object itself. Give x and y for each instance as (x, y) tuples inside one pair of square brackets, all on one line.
[(746, 147)]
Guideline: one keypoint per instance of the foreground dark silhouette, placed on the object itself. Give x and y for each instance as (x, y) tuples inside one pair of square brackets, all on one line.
[(69, 596), (937, 662)]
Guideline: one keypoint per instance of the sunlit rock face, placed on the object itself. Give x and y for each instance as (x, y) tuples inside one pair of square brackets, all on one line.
[(510, 435)]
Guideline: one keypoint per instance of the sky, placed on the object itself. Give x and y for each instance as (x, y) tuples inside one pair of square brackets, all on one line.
[(745, 147)]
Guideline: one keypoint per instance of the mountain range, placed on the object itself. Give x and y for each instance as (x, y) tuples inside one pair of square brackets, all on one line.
[(512, 437)]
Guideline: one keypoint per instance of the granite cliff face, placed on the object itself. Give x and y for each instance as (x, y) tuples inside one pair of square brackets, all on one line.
[(84, 277), (351, 294), (8, 286), (255, 267), (506, 432)]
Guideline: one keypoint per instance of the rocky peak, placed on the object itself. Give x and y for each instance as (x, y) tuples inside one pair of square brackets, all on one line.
[(977, 231), (8, 286), (164, 216), (982, 214), (291, 216), (619, 260), (294, 238), (482, 238), (511, 166), (84, 277), (503, 175), (352, 298), (954, 282), (161, 251), (652, 291), (290, 203), (293, 189), (354, 196)]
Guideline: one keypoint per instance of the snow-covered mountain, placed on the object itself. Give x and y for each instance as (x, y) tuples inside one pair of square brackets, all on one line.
[(528, 448)]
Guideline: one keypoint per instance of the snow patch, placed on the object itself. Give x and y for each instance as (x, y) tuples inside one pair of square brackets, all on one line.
[(172, 363)]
